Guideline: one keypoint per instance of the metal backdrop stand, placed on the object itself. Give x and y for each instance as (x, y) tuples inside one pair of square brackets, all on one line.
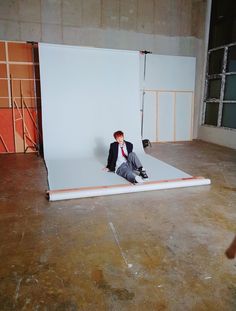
[(146, 142)]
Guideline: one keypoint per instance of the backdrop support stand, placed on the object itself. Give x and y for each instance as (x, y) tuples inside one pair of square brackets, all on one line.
[(143, 95)]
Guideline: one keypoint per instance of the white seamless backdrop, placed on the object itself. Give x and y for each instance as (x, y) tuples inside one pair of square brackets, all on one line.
[(87, 94)]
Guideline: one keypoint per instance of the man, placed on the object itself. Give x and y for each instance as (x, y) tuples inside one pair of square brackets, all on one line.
[(124, 161)]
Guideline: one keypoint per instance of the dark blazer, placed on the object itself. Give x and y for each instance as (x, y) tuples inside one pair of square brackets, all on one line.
[(113, 154)]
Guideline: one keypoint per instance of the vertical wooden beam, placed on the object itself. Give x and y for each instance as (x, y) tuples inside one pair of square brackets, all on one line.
[(174, 114), (157, 114), (13, 114), (33, 46), (8, 75), (23, 117), (192, 116)]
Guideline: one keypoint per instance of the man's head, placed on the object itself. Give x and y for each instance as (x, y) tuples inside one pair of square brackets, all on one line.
[(119, 137)]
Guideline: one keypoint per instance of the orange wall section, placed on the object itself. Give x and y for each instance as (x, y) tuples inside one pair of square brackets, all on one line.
[(3, 71), (19, 84), (20, 52), (4, 102), (26, 87), (3, 88), (6, 130), (22, 71), (2, 52)]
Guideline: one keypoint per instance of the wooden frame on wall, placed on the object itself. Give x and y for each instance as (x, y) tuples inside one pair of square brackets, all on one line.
[(174, 92)]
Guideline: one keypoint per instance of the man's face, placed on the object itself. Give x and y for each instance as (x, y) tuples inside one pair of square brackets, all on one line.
[(120, 139)]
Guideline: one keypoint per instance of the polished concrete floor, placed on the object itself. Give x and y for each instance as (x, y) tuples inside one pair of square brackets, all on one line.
[(158, 250)]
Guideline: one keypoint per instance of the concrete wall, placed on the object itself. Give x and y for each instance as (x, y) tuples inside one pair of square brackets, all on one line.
[(171, 27), (219, 136), (73, 21)]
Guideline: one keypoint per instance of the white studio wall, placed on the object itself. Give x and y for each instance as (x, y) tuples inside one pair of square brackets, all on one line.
[(170, 80), (150, 116), (87, 94), (165, 120)]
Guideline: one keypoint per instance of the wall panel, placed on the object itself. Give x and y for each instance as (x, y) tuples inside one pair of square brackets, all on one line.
[(19, 97)]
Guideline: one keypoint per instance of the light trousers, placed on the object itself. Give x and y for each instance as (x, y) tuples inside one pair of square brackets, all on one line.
[(126, 168)]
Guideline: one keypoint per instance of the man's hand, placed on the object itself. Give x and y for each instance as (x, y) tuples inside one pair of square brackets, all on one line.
[(231, 250), (230, 253), (105, 169)]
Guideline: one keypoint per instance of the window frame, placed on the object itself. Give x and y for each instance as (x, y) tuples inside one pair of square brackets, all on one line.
[(223, 76)]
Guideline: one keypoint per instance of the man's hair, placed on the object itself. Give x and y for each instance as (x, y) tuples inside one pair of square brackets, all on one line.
[(118, 134)]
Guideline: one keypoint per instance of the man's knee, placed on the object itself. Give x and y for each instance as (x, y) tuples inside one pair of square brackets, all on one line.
[(132, 154), (130, 177)]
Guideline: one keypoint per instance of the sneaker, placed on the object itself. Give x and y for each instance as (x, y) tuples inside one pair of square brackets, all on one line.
[(138, 180), (143, 174)]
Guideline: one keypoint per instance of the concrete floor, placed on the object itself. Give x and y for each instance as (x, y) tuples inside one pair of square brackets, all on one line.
[(159, 250)]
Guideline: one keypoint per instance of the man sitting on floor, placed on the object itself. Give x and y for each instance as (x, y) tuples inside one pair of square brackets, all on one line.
[(124, 161)]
